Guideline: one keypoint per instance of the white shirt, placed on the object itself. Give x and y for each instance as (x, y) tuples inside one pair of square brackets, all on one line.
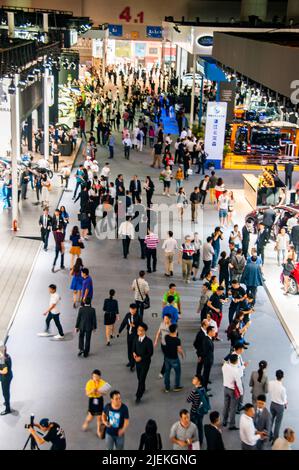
[(183, 135), (54, 299), (204, 185), (223, 202), (241, 365), (112, 192), (126, 228), (231, 376), (105, 171), (281, 444), (170, 245), (247, 431), (189, 145), (277, 392), (141, 338)]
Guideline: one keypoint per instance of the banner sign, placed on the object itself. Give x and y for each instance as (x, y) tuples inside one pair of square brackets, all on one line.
[(215, 130), (115, 30), (154, 32)]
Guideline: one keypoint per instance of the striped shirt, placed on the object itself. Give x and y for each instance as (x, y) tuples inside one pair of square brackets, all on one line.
[(151, 241), (195, 400)]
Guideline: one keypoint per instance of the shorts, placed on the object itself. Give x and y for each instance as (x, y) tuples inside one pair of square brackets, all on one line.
[(222, 213), (75, 250), (96, 409), (166, 184)]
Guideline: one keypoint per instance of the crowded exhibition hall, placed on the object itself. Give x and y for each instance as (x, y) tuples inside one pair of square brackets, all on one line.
[(149, 208)]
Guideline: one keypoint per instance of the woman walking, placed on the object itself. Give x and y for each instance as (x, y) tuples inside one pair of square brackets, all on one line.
[(182, 203), (65, 218), (150, 439), (288, 267), (259, 381), (95, 389), (282, 245), (179, 177), (75, 250), (167, 174), (46, 185), (111, 315), (77, 280), (231, 208), (149, 190)]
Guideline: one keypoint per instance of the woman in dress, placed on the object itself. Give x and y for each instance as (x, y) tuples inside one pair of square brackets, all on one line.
[(182, 203), (149, 189), (45, 183), (95, 389), (77, 280), (75, 250), (111, 315), (259, 381)]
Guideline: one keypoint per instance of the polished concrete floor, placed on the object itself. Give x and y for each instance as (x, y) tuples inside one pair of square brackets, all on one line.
[(49, 378)]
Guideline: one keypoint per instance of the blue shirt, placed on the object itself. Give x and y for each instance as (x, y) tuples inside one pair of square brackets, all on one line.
[(87, 284), (172, 312)]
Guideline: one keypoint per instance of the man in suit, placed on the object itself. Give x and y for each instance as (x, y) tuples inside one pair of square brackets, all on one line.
[(120, 186), (131, 322), (245, 239), (135, 188), (262, 420), (45, 223), (57, 220), (142, 353), (198, 345), (213, 433), (261, 241), (85, 324), (289, 168), (208, 356), (269, 217)]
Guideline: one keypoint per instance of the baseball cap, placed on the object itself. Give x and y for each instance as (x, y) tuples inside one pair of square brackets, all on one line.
[(44, 423)]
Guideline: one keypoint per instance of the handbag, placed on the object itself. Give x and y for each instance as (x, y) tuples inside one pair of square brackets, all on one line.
[(146, 300), (102, 431), (237, 393), (81, 245)]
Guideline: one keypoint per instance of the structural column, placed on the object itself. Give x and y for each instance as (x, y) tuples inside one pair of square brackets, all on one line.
[(293, 10), (15, 147), (46, 114), (193, 92), (29, 121), (179, 67)]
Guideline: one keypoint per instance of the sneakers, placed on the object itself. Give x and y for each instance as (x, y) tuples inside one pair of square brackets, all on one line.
[(178, 389), (45, 333), (58, 337), (166, 390), (160, 376)]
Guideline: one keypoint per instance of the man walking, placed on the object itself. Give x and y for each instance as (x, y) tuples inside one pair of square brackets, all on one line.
[(85, 324), (45, 223), (151, 242), (126, 232), (289, 168), (203, 187), (278, 397), (115, 416), (207, 257), (262, 420), (248, 434), (233, 389), (142, 353), (198, 345), (170, 246), (195, 199), (53, 313), (208, 355), (87, 285), (131, 322), (141, 288), (172, 350), (135, 188), (5, 378)]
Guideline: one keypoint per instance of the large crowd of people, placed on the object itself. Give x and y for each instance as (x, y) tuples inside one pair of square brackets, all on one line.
[(133, 105)]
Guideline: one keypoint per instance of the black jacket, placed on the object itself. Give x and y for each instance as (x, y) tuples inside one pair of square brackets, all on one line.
[(245, 235), (289, 168), (198, 343), (213, 437), (269, 217), (144, 349), (132, 187), (125, 323), (194, 197), (41, 221), (262, 239), (55, 223), (86, 319), (120, 184), (208, 350)]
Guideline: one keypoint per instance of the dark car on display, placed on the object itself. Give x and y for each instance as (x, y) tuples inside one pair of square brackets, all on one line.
[(283, 214)]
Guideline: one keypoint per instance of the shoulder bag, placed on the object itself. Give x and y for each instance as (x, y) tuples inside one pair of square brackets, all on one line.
[(145, 300)]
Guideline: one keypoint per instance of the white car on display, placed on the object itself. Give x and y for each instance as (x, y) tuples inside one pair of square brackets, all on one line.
[(187, 79)]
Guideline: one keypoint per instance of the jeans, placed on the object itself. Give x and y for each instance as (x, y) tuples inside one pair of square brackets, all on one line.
[(114, 441), (172, 364), (55, 317), (151, 253), (281, 253), (215, 257), (126, 245), (230, 407), (6, 393), (197, 420), (178, 185), (111, 151), (140, 308), (45, 237), (276, 411)]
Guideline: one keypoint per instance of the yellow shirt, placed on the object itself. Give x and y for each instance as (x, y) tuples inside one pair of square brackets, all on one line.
[(91, 385), (214, 287)]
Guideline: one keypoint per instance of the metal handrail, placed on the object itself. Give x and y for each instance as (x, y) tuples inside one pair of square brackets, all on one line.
[(36, 10)]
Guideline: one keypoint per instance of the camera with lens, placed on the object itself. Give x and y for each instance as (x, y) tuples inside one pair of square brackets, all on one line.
[(31, 424)]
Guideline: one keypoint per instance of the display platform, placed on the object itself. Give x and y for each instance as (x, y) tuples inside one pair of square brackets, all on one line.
[(241, 162)]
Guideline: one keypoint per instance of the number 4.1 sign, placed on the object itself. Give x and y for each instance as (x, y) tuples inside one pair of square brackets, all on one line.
[(125, 15)]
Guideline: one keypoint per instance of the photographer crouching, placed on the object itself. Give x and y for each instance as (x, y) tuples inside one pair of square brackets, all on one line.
[(52, 433)]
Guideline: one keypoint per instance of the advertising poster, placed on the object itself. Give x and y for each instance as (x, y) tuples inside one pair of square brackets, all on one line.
[(215, 131)]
